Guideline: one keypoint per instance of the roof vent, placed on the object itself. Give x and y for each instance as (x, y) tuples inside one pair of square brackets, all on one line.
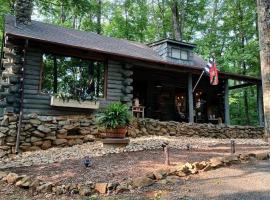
[(23, 10)]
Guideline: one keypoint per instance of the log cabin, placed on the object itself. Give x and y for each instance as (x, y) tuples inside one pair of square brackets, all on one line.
[(43, 64)]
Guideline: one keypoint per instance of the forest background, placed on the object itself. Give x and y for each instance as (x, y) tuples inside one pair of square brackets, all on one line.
[(226, 28)]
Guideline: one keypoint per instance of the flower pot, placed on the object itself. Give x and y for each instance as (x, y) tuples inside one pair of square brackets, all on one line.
[(115, 133)]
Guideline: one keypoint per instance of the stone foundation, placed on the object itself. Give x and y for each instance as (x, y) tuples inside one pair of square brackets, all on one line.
[(43, 132), (144, 127)]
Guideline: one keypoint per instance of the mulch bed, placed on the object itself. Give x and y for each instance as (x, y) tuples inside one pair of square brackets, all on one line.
[(116, 167)]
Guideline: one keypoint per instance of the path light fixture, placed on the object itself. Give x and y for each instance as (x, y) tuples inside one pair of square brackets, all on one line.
[(166, 152), (87, 161), (232, 147)]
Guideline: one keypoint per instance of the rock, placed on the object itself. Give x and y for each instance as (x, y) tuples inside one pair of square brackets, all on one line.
[(142, 182), (47, 187), (38, 134), (2, 135), (199, 165), (12, 118), (25, 182), (59, 141), (216, 162), (46, 144), (11, 178), (89, 138), (172, 179), (27, 127), (231, 159), (122, 187), (35, 139), (5, 121), (44, 129), (35, 121), (35, 184), (262, 156), (3, 174), (101, 187), (207, 168), (158, 175), (85, 191)]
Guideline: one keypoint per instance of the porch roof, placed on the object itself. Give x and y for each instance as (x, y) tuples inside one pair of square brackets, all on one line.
[(48, 33)]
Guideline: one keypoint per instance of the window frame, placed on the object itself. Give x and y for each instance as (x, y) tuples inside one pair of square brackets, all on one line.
[(55, 55)]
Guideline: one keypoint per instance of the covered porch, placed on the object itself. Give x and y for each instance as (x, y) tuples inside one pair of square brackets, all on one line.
[(168, 95)]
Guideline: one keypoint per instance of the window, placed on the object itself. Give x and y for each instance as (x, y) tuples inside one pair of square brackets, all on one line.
[(175, 53), (72, 76), (184, 55)]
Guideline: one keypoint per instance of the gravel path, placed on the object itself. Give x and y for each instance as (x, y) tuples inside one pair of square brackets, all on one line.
[(95, 149)]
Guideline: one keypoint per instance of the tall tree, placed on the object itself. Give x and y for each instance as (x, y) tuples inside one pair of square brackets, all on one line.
[(264, 35), (176, 21)]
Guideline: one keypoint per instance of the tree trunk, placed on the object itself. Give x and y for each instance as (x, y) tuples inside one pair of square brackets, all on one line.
[(99, 28), (175, 21), (263, 7)]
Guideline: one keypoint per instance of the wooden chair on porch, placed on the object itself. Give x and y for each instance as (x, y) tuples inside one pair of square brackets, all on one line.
[(137, 109)]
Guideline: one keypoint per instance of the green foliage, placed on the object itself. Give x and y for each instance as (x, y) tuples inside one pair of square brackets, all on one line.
[(115, 115), (226, 28)]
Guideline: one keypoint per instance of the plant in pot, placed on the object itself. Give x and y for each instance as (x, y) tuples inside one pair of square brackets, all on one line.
[(114, 118)]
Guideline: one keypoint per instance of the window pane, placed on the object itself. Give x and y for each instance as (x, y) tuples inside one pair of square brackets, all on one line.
[(176, 53), (76, 77), (184, 55)]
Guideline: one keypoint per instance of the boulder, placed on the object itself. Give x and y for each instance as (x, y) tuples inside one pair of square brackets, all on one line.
[(231, 159), (142, 182), (101, 187)]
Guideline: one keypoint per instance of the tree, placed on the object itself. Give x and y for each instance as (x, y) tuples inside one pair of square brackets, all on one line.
[(263, 7)]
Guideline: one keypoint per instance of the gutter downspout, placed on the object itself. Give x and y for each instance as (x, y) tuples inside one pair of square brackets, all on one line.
[(21, 91)]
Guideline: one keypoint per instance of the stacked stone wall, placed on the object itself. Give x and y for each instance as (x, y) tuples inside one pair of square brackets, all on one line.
[(43, 132)]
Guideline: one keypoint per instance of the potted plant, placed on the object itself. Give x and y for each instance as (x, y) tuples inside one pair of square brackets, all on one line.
[(114, 118)]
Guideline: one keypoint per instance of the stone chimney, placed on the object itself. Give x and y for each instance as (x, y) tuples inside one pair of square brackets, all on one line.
[(23, 10)]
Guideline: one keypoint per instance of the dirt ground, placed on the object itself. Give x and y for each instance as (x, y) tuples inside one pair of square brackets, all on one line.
[(220, 184)]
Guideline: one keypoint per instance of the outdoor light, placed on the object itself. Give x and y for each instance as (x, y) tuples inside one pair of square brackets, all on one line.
[(87, 161)]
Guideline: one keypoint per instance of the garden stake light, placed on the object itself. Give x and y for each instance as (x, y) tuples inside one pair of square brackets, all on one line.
[(166, 153), (232, 146)]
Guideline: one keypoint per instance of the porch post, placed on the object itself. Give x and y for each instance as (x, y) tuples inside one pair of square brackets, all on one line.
[(190, 99), (226, 103), (259, 104)]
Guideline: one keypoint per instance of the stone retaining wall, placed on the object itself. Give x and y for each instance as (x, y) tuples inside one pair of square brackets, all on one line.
[(43, 132), (155, 127)]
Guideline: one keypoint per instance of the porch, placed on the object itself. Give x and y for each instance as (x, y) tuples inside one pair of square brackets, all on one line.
[(168, 95)]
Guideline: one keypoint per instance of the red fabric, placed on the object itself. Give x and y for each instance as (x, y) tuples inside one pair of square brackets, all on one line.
[(213, 75)]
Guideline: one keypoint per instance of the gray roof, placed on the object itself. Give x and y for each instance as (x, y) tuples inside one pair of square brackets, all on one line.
[(82, 39), (91, 41)]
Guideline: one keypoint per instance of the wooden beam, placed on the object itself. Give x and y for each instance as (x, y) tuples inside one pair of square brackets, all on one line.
[(190, 99), (54, 75), (260, 105), (226, 103), (240, 86)]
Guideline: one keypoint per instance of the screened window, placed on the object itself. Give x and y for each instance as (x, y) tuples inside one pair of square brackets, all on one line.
[(175, 53), (73, 77), (184, 55)]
